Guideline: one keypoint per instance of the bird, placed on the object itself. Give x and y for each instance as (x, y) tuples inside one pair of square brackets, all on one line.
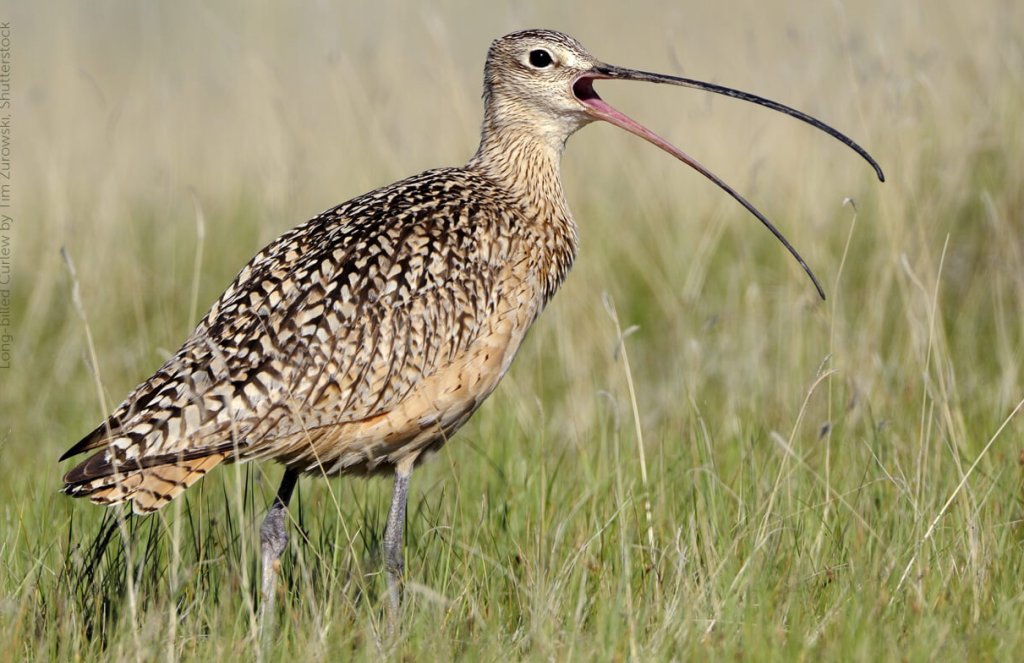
[(360, 341)]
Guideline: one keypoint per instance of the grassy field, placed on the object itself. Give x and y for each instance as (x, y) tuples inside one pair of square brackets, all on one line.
[(839, 480)]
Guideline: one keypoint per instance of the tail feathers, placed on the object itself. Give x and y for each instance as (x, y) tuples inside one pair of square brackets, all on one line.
[(148, 488), (96, 438)]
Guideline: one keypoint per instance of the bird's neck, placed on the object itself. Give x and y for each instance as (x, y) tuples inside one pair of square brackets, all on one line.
[(528, 165)]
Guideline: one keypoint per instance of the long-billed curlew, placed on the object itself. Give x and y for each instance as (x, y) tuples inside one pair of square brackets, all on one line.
[(362, 339)]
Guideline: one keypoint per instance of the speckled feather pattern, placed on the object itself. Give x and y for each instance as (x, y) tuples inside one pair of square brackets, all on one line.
[(333, 348), (360, 339)]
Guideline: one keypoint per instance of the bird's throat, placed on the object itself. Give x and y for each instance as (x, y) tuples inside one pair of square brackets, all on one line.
[(527, 164)]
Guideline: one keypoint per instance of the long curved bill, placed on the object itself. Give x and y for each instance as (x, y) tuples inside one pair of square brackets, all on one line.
[(583, 89)]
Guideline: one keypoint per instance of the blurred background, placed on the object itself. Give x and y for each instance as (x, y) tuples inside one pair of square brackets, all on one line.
[(162, 144)]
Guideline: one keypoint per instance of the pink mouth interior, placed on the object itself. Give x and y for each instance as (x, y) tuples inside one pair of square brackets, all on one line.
[(584, 89)]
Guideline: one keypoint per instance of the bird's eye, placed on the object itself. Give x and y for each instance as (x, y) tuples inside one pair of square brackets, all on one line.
[(540, 58)]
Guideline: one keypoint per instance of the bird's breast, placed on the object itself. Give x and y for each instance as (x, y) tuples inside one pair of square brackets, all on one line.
[(431, 412)]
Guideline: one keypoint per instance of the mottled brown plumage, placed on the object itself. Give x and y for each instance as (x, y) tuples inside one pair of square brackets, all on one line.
[(368, 335), (362, 337)]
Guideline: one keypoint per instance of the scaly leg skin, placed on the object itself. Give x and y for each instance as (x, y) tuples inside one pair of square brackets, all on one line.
[(393, 564), (273, 541)]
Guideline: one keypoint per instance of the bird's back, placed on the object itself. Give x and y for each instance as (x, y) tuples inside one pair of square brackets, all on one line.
[(351, 343)]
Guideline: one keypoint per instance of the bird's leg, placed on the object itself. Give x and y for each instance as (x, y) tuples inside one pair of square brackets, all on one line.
[(273, 541), (393, 564)]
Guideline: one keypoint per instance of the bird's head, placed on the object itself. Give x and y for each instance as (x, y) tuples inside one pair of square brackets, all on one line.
[(528, 82)]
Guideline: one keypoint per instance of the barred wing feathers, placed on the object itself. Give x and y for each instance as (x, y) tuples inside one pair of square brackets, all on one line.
[(333, 347)]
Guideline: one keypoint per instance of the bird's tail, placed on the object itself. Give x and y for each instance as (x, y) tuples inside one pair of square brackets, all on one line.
[(148, 488)]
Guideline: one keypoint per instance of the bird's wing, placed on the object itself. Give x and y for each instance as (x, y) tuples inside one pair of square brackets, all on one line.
[(335, 321)]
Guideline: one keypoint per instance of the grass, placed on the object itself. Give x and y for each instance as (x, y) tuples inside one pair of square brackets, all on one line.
[(837, 480)]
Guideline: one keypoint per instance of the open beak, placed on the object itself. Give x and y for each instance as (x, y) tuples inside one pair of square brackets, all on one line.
[(583, 89)]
